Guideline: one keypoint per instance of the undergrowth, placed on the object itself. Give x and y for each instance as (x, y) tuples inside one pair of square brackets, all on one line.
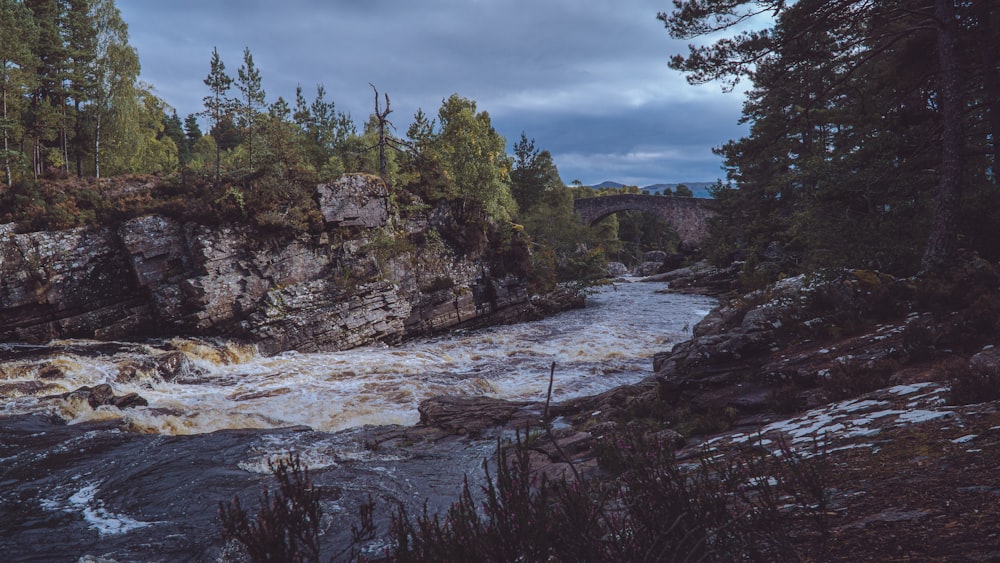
[(286, 528), (646, 506)]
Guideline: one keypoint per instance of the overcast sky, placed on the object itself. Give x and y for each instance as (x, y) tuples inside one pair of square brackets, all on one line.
[(587, 79)]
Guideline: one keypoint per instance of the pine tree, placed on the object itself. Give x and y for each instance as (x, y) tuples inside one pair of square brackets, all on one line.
[(173, 128), (45, 122), (217, 106), (18, 63), (80, 32), (192, 132), (860, 141), (251, 103)]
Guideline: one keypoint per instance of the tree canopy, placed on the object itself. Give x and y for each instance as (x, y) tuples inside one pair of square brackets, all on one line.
[(873, 125)]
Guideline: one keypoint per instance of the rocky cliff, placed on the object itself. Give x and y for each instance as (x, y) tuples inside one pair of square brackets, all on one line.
[(371, 275)]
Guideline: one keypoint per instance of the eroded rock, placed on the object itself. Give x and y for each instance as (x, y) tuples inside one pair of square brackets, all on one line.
[(355, 200), (473, 415)]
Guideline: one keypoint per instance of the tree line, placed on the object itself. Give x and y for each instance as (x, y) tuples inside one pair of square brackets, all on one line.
[(874, 124), (70, 99), (73, 107)]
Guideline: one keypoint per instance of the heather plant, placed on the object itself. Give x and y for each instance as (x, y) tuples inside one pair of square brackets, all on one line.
[(648, 507), (973, 382), (287, 526)]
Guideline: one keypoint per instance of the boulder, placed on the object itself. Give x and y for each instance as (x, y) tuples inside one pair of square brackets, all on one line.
[(986, 363), (354, 200), (702, 277), (617, 269), (473, 415), (102, 394)]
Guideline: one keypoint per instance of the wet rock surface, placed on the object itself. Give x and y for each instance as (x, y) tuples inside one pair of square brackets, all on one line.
[(96, 490)]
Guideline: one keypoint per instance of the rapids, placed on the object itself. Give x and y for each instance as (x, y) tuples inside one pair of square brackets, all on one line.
[(144, 483), (607, 344)]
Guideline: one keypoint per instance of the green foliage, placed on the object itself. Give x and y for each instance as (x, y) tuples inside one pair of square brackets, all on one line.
[(174, 129), (18, 37), (641, 232), (37, 206), (474, 158)]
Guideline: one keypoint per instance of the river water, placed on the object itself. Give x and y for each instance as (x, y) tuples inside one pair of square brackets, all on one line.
[(143, 483)]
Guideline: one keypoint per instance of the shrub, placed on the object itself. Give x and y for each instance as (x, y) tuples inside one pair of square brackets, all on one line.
[(972, 383), (286, 529), (287, 526), (650, 509), (851, 377)]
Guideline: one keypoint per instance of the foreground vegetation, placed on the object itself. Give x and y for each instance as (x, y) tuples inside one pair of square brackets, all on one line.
[(646, 507)]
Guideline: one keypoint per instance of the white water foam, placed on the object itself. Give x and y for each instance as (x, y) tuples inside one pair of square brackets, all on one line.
[(609, 343), (98, 518)]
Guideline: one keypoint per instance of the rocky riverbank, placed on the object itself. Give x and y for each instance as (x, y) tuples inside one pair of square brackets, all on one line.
[(375, 274), (894, 382)]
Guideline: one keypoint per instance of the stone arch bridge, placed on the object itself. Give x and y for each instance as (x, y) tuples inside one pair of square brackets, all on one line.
[(689, 215)]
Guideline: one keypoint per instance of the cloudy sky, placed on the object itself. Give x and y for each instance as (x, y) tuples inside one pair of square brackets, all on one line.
[(588, 80)]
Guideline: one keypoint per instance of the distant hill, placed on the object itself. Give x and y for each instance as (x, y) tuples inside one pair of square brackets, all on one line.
[(699, 189)]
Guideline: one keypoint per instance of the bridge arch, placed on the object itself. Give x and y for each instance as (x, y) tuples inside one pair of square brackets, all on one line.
[(688, 215)]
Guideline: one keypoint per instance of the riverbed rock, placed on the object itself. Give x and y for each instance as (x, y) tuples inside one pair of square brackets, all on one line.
[(169, 366), (102, 394), (473, 415), (702, 278), (617, 269)]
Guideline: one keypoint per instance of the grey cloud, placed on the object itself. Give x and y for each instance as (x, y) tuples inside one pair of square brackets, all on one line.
[(588, 80)]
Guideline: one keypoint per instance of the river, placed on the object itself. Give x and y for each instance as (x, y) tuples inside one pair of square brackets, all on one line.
[(143, 483)]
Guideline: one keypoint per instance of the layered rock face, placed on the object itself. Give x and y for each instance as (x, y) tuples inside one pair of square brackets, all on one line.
[(362, 280)]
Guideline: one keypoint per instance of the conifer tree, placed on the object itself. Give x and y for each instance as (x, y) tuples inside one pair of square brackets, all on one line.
[(217, 106), (18, 63), (192, 131), (45, 121), (871, 123), (251, 102), (80, 32), (174, 128)]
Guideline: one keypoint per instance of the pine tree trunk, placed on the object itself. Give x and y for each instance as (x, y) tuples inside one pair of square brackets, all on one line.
[(78, 134), (97, 146), (991, 78), (6, 135), (943, 240)]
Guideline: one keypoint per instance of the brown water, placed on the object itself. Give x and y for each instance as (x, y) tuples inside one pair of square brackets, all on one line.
[(229, 387)]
